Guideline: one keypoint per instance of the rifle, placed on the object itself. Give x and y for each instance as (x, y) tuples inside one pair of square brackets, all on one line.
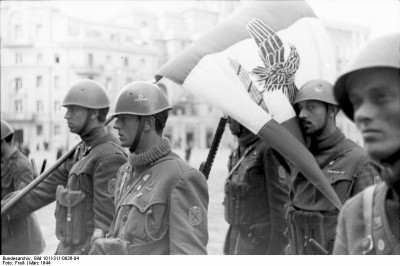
[(205, 168), (42, 176)]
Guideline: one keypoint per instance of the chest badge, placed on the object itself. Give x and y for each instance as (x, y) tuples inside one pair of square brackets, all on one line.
[(195, 216)]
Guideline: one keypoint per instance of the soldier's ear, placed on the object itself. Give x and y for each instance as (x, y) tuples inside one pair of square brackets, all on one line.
[(149, 123), (94, 113)]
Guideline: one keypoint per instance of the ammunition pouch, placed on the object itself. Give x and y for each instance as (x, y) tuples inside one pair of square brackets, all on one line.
[(306, 232), (244, 204), (70, 216)]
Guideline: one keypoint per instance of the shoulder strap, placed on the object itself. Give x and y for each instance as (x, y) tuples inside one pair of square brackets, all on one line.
[(368, 201)]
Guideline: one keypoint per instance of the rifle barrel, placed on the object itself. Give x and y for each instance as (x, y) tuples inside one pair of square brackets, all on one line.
[(214, 147)]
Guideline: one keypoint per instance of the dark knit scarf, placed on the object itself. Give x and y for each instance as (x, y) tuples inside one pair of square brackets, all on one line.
[(142, 160), (326, 143), (324, 149), (94, 136)]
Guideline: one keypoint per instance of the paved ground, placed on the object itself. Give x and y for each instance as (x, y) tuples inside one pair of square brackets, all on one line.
[(217, 226)]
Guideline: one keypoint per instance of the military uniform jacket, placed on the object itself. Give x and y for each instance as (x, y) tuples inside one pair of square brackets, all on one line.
[(348, 169), (352, 236), (83, 188), (161, 211), (255, 198), (21, 236)]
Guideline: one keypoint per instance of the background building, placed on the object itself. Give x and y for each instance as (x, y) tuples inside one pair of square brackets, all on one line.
[(44, 51)]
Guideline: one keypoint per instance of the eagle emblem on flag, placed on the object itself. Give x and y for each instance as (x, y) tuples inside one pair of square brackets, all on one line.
[(276, 74)]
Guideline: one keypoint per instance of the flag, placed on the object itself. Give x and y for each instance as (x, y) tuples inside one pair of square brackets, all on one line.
[(251, 65)]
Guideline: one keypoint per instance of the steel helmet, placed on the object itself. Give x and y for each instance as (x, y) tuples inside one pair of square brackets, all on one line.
[(316, 89), (6, 129), (141, 98), (87, 93), (380, 52)]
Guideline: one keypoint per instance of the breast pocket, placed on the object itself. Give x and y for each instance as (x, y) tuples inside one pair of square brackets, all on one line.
[(341, 182), (147, 220)]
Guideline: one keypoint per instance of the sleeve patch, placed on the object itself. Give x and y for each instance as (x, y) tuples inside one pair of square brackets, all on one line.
[(195, 216)]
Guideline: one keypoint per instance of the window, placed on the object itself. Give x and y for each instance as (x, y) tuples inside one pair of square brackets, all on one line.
[(108, 83), (108, 59), (39, 30), (56, 58), (57, 106), (126, 62), (18, 58), (56, 129), (18, 106), (39, 82), (39, 106), (90, 60), (56, 82), (39, 130), (39, 58), (73, 30), (18, 85), (18, 31)]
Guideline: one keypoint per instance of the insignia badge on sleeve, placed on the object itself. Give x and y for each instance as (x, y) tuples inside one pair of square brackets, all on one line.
[(195, 216)]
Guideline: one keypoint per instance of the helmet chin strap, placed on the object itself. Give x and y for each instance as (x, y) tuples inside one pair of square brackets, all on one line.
[(86, 123), (138, 134)]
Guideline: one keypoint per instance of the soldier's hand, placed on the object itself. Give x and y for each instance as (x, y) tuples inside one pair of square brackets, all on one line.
[(109, 246)]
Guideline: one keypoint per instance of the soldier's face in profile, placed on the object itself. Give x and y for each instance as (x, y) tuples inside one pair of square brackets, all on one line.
[(375, 96), (312, 115), (126, 126), (75, 116)]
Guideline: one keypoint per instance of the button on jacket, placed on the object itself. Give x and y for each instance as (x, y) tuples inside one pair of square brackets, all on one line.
[(83, 187), (255, 196), (21, 236)]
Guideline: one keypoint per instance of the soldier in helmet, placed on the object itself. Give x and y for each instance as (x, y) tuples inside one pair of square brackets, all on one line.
[(369, 92), (312, 218), (161, 201), (83, 186), (256, 192), (21, 236)]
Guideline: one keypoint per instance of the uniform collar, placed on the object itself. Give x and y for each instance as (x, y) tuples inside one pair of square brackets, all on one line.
[(94, 136), (327, 142), (148, 157)]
